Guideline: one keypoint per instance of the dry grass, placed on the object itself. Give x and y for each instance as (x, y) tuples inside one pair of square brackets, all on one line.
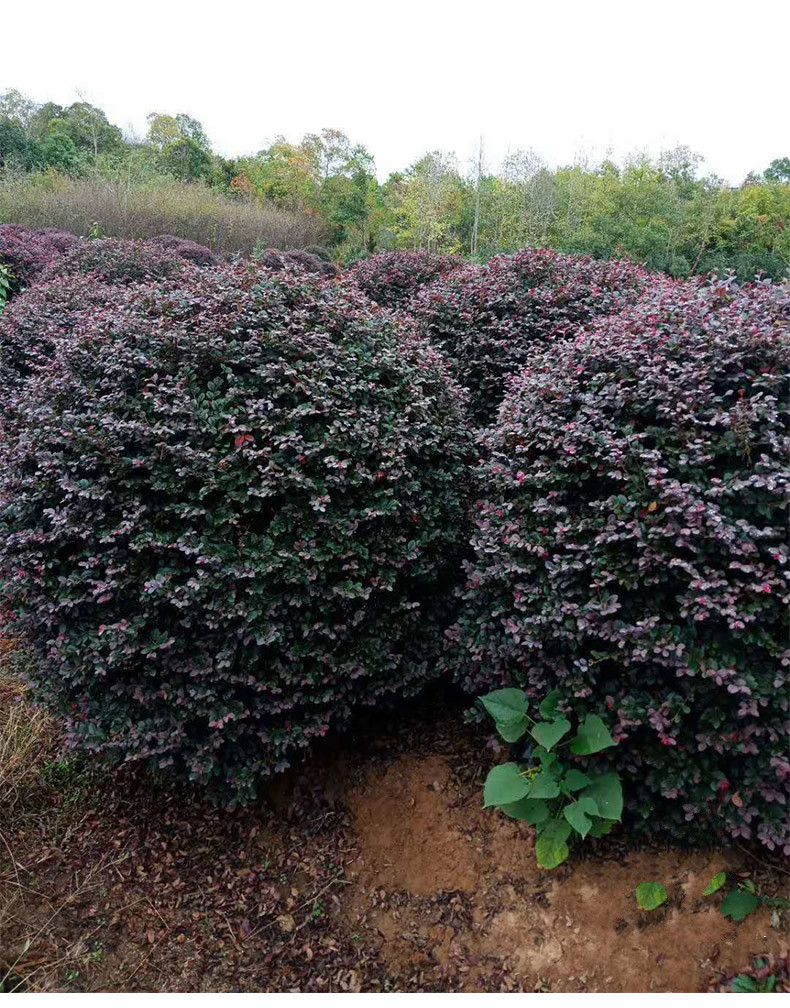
[(129, 209), (26, 733), (34, 956)]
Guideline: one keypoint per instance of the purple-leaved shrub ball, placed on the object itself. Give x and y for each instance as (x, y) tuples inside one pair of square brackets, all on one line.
[(631, 550), (231, 510)]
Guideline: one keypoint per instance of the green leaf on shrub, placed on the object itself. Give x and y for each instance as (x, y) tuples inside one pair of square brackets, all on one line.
[(511, 731), (650, 895), (738, 904), (551, 848), (505, 704), (505, 784), (601, 827), (578, 814), (607, 793), (546, 758), (527, 809), (715, 884), (548, 733), (548, 706), (575, 780), (544, 785), (591, 737)]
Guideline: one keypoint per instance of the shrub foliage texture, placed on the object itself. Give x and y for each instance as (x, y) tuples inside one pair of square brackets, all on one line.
[(27, 253), (631, 546), (491, 319), (389, 278), (229, 513), (274, 259), (33, 322), (118, 261)]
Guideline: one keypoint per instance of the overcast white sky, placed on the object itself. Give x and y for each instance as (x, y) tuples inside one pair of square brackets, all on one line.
[(406, 76)]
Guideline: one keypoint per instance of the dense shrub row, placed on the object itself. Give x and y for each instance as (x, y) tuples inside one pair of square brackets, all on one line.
[(74, 282), (631, 548), (233, 503), (491, 319), (389, 278), (230, 509)]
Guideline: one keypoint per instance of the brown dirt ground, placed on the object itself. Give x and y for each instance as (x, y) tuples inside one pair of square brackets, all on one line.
[(371, 868)]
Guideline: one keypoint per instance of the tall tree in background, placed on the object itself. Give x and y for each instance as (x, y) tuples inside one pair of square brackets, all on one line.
[(427, 205), (778, 170), (477, 181)]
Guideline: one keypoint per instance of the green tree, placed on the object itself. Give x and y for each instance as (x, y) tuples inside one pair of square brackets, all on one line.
[(17, 107), (778, 170), (191, 129), (17, 150), (162, 130), (186, 160)]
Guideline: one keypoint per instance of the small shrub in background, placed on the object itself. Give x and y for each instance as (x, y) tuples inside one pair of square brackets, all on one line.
[(631, 546), (276, 259), (199, 255), (490, 320), (230, 511), (390, 278), (26, 254)]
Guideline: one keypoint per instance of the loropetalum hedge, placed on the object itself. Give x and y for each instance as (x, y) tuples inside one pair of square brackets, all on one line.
[(230, 512), (27, 253), (390, 278), (631, 549), (118, 261), (490, 320)]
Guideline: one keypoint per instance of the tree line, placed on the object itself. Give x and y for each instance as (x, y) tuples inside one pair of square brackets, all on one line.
[(663, 212)]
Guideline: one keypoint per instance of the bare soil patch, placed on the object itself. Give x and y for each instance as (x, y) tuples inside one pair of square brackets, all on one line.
[(371, 868)]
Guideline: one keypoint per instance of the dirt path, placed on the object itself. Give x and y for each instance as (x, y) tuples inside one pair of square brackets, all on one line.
[(372, 869)]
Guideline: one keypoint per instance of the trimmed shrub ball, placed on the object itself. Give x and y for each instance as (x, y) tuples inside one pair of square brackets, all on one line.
[(320, 251), (389, 278), (33, 322), (117, 261), (631, 550), (230, 515), (491, 319), (274, 259), (28, 253), (197, 254)]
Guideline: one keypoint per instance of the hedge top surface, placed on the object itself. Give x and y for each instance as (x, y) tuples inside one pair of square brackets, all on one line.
[(187, 249), (29, 252), (230, 510), (117, 261), (631, 547), (389, 278)]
